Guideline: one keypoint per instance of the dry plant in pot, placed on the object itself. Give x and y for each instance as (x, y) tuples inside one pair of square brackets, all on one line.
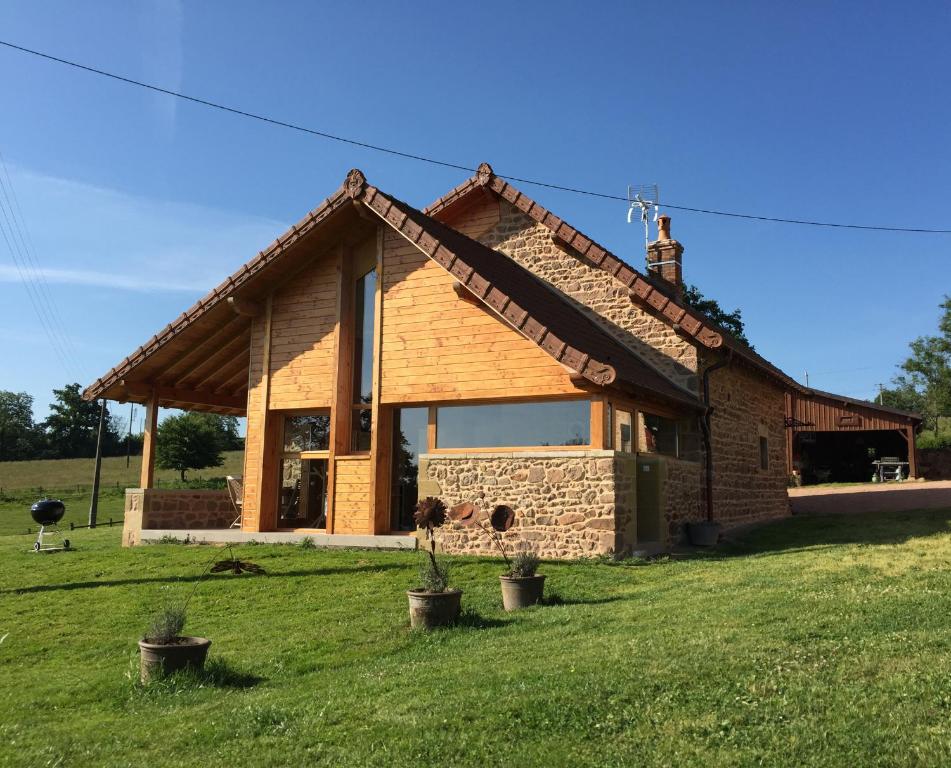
[(521, 586), (433, 603), (165, 650)]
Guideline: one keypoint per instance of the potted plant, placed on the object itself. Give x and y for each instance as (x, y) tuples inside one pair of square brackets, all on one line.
[(165, 650), (433, 603), (521, 586)]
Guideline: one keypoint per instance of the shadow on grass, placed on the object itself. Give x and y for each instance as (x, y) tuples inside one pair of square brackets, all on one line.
[(469, 619), (825, 531), (217, 673), (555, 598), (334, 571)]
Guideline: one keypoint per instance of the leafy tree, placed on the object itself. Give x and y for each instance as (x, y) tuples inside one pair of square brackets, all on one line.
[(925, 385), (729, 321), (19, 436), (193, 441), (72, 428)]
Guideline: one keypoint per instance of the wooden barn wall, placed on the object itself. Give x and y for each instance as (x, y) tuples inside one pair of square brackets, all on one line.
[(254, 439), (437, 347), (828, 416), (302, 338)]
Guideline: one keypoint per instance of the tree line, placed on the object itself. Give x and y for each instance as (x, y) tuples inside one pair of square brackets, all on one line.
[(924, 386), (72, 429)]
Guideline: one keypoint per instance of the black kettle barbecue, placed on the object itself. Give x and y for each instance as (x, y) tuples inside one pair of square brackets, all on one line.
[(47, 513)]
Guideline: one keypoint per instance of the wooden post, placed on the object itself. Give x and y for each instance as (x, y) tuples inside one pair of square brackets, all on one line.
[(94, 502), (597, 422), (265, 502), (381, 419), (912, 452), (147, 477), (340, 409)]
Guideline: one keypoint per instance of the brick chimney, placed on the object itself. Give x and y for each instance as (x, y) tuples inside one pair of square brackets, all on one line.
[(664, 256)]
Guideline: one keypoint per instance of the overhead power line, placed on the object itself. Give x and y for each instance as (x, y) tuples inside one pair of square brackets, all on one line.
[(447, 164)]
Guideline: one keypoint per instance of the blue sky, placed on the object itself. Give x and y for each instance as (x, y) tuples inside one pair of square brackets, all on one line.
[(137, 203)]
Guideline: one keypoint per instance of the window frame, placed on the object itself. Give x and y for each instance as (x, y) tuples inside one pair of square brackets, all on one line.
[(433, 430)]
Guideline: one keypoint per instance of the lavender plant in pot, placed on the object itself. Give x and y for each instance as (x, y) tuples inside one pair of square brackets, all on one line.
[(165, 650), (521, 585), (433, 603)]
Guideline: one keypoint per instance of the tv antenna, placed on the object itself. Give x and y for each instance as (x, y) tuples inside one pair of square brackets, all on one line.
[(643, 199)]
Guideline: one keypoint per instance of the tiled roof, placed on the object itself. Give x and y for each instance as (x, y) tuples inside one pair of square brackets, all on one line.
[(642, 289)]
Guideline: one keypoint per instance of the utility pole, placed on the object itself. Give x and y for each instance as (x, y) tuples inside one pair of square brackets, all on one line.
[(881, 394), (807, 378), (128, 440), (94, 503)]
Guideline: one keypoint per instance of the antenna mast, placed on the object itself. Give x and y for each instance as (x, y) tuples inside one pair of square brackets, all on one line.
[(642, 200)]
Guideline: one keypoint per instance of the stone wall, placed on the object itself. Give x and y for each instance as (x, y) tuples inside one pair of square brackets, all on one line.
[(155, 508), (596, 293), (564, 500), (683, 498), (746, 406)]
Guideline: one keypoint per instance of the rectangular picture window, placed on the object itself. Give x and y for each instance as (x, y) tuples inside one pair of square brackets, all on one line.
[(307, 433), (303, 494), (514, 425)]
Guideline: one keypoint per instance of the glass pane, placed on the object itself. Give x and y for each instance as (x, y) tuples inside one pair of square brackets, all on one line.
[(306, 433), (514, 425), (623, 432), (660, 435), (409, 440), (360, 430), (303, 500), (365, 291)]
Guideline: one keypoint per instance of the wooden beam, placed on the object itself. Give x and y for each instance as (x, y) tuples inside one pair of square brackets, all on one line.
[(912, 452), (147, 476), (598, 421), (244, 307), (238, 349), (263, 504), (381, 419), (466, 295), (201, 397), (340, 410), (197, 354)]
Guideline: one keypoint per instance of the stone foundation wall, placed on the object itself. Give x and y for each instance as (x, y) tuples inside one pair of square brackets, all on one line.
[(154, 508), (564, 501)]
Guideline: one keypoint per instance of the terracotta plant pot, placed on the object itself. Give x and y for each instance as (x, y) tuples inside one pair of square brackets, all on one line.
[(433, 609), (704, 534), (157, 660), (521, 591)]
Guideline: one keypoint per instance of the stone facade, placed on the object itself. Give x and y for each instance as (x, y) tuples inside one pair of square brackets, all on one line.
[(154, 508), (599, 295), (567, 504), (747, 406)]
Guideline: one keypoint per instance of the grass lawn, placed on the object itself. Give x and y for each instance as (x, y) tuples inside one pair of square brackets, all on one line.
[(823, 641), (73, 474)]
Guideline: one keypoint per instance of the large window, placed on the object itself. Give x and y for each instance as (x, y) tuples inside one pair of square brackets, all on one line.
[(409, 440), (363, 332), (302, 501), (514, 425)]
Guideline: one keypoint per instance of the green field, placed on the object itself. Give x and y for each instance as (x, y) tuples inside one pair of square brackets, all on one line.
[(823, 641), (71, 474)]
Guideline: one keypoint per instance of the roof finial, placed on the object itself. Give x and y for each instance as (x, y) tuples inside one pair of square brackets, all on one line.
[(355, 183), (484, 173)]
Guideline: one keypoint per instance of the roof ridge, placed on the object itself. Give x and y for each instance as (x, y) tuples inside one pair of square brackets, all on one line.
[(641, 289)]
